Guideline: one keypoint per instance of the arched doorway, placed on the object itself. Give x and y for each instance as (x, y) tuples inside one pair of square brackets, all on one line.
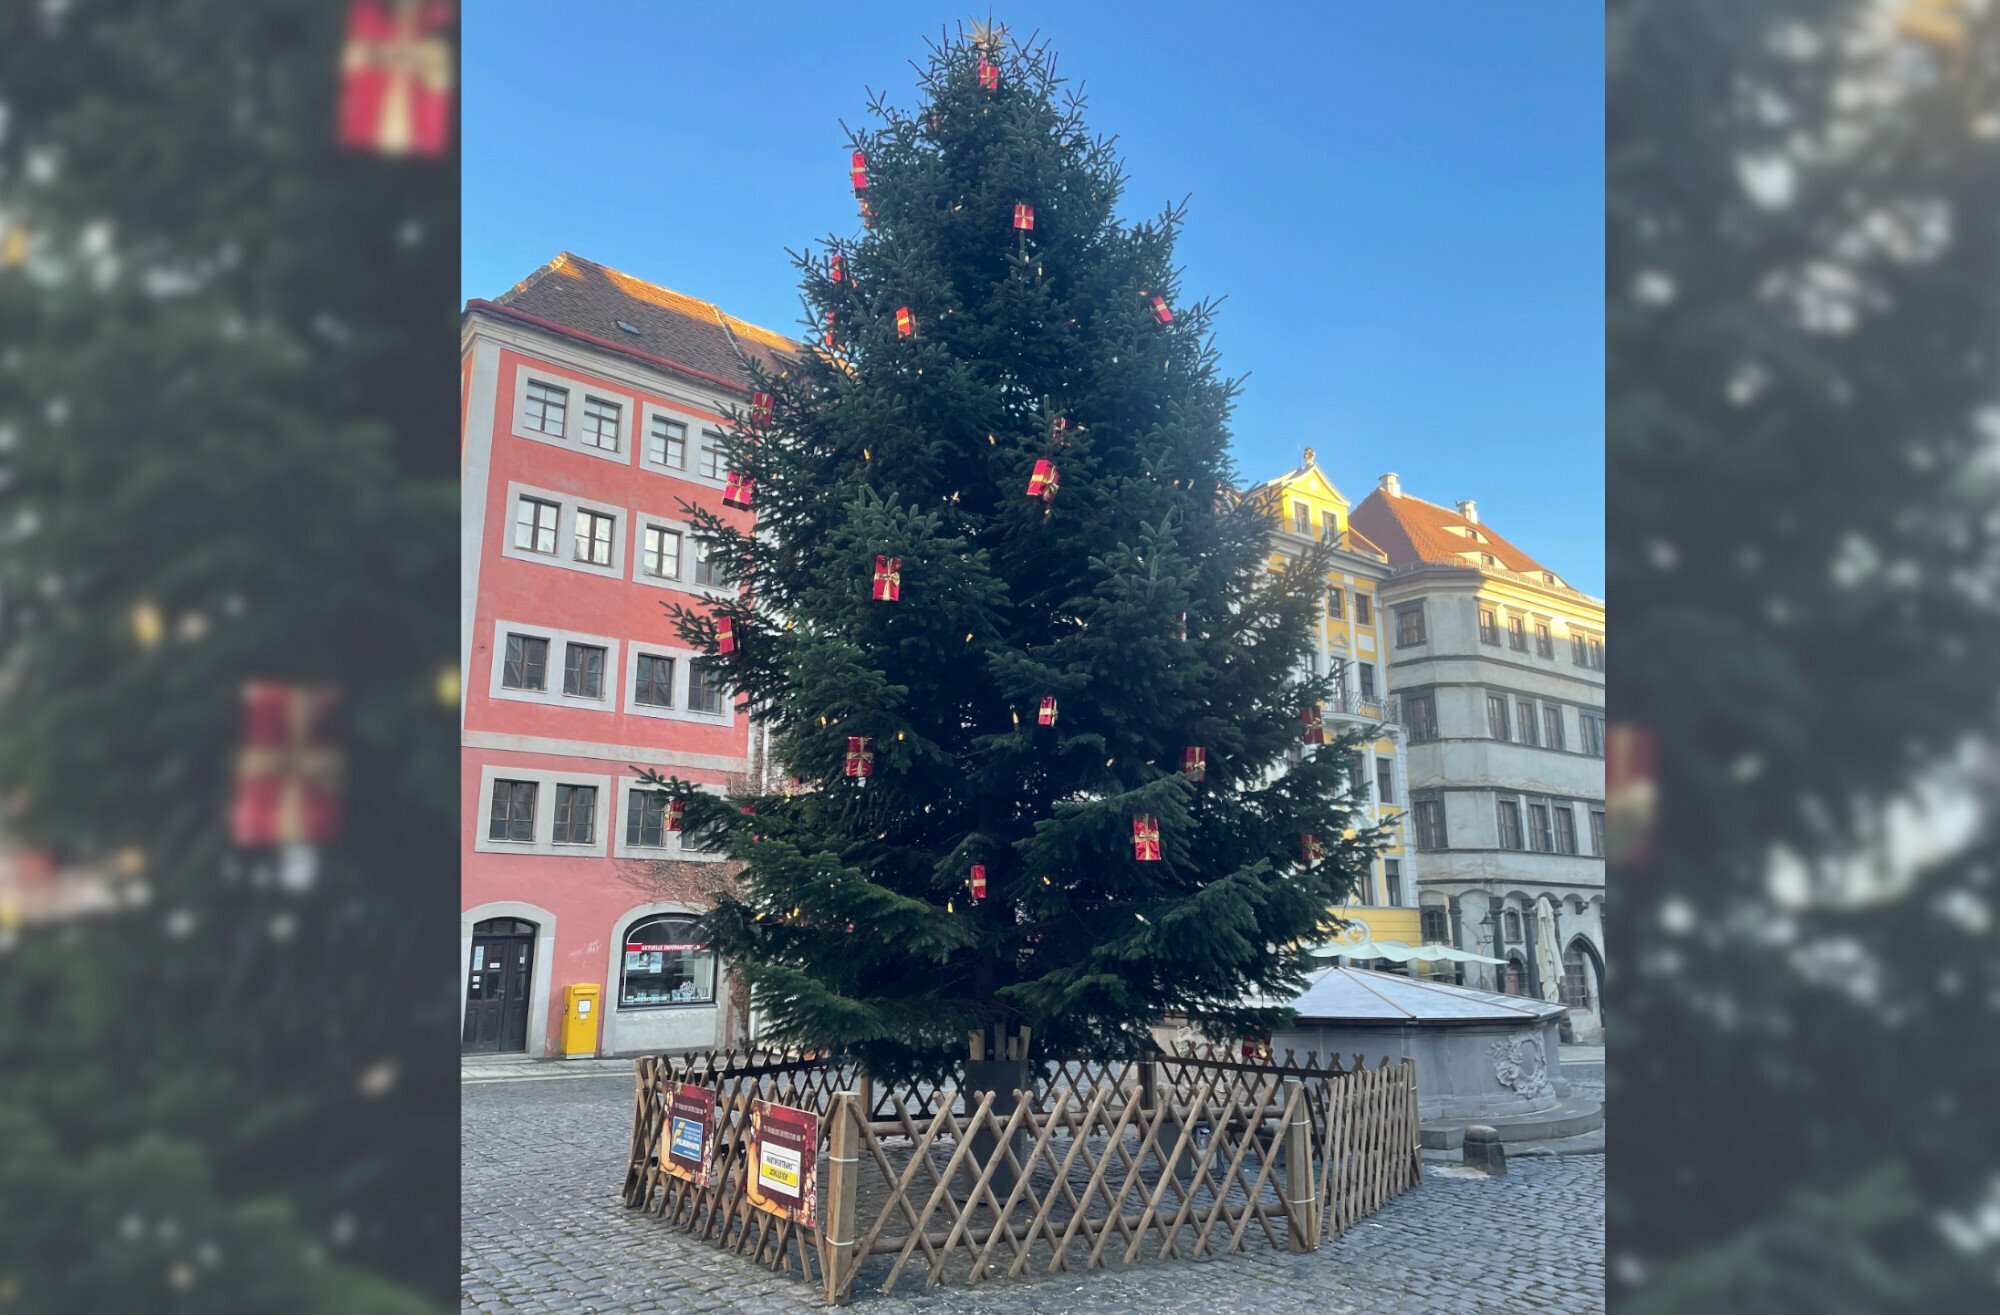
[(497, 986), (1583, 976), (1515, 978)]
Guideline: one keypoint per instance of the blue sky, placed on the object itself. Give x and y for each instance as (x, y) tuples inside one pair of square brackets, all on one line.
[(1402, 202)]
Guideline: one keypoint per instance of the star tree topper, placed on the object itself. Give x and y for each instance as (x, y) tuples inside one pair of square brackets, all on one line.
[(987, 36)]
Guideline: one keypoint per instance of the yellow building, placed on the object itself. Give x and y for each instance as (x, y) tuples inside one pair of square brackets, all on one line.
[(1305, 507)]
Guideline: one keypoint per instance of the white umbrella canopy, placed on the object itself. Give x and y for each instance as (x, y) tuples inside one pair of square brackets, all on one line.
[(1398, 951), (1547, 958)]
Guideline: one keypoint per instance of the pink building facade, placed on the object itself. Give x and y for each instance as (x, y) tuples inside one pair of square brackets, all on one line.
[(591, 406)]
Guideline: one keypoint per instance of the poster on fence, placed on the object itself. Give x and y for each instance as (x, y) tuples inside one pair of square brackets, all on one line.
[(784, 1162), (689, 1149)]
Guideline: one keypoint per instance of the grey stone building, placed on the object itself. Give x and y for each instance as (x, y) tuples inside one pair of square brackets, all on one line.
[(1498, 668)]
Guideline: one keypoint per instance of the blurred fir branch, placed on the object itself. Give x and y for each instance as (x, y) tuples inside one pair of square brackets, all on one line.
[(230, 356), (1801, 281)]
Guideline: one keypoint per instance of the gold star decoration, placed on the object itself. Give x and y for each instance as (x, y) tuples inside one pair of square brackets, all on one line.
[(986, 36)]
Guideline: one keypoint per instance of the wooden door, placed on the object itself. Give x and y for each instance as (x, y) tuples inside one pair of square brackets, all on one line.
[(496, 994)]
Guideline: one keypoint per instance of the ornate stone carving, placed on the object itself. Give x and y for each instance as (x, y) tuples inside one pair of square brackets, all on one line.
[(1519, 1064)]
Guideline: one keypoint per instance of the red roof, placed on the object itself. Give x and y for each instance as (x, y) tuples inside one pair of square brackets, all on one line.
[(590, 300), (1412, 530)]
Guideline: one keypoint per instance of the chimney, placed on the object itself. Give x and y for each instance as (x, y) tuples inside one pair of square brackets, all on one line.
[(1391, 486), (1470, 510)]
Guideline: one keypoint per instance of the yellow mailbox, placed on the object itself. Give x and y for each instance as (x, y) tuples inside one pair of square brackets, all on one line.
[(579, 1027)]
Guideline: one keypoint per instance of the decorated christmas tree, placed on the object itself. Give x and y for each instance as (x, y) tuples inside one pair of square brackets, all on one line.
[(230, 352), (1044, 708)]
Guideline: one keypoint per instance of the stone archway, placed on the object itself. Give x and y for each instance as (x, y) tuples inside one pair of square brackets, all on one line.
[(1579, 952), (532, 928)]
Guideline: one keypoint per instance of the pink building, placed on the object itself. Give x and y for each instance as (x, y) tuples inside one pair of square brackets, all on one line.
[(591, 405)]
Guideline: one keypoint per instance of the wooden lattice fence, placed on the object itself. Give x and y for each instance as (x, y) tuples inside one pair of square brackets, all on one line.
[(1184, 1155)]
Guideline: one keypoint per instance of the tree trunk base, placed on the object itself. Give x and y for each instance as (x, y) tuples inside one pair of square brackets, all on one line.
[(1002, 1077)]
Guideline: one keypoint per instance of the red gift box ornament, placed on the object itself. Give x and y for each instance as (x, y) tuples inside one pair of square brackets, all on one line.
[(396, 77), (288, 771), (762, 407), (860, 756), (888, 579), (1315, 729), (1043, 483), (989, 74), (1160, 311), (1194, 763), (737, 492), (1146, 838), (1047, 714), (725, 635), (1024, 217), (1631, 791), (858, 172), (978, 881), (828, 335), (836, 268), (906, 323), (1310, 849)]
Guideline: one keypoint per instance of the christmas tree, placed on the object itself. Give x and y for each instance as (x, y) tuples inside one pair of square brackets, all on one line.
[(1801, 312), (1037, 690), (220, 460)]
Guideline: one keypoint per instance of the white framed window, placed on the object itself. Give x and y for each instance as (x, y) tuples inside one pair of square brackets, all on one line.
[(583, 670), (525, 662), (706, 692), (595, 549), (710, 455), (571, 412), (535, 525), (668, 555), (665, 680), (660, 552), (711, 567), (666, 440), (576, 814), (546, 407), (653, 684), (641, 826), (593, 537), (522, 802), (511, 818), (601, 420), (522, 657)]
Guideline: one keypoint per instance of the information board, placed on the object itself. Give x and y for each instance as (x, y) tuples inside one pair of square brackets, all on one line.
[(689, 1148), (784, 1162)]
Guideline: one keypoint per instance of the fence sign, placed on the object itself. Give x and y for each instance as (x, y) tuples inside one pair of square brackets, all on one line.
[(690, 1143), (784, 1168)]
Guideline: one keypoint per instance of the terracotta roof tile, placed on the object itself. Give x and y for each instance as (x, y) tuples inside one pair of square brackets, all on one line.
[(1411, 530), (591, 298)]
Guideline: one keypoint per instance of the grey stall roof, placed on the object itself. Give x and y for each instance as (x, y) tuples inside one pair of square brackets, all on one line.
[(1356, 995)]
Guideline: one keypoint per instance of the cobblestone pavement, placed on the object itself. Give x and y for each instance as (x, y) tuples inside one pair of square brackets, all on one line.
[(544, 1232), (1584, 1067)]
